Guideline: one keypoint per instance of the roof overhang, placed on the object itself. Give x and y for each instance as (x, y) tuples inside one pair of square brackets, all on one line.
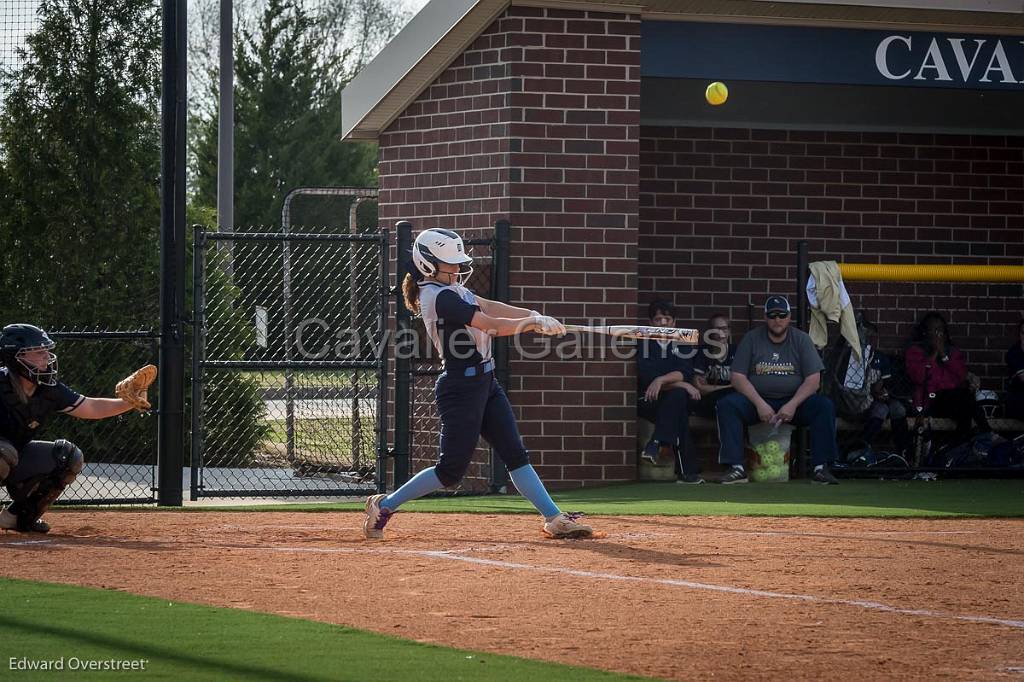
[(435, 37), (411, 61)]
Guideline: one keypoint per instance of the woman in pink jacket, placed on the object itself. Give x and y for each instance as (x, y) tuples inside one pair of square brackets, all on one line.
[(938, 372)]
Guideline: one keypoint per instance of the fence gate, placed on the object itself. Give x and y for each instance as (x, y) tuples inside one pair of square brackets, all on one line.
[(288, 364)]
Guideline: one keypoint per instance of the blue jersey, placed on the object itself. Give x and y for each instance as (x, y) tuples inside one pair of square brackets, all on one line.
[(656, 358), (19, 421), (447, 313)]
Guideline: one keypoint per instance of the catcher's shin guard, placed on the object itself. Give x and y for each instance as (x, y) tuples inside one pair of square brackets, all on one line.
[(8, 459), (33, 496)]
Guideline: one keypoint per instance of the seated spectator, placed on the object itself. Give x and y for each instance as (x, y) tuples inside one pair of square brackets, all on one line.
[(883, 405), (938, 371), (1015, 378), (712, 363), (665, 370), (776, 374)]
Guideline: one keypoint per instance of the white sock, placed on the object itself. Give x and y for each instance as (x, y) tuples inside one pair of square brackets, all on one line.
[(819, 468), (738, 467)]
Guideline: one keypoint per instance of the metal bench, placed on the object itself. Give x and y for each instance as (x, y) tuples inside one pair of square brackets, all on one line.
[(665, 471)]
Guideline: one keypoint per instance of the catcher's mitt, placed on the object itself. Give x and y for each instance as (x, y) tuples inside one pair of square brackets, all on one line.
[(132, 389)]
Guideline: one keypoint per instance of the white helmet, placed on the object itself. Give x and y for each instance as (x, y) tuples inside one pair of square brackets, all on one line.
[(438, 245)]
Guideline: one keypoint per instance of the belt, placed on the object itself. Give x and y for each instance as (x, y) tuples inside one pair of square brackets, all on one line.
[(479, 369)]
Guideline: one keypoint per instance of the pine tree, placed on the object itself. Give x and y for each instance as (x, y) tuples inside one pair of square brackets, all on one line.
[(287, 94), (79, 169), (79, 199)]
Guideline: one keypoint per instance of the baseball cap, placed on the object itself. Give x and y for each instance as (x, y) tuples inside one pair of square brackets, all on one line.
[(776, 303)]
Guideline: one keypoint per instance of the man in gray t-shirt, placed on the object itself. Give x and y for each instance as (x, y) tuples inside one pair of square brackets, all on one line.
[(776, 374)]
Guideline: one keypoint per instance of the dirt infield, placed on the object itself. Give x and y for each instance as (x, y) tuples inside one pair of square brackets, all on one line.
[(672, 597)]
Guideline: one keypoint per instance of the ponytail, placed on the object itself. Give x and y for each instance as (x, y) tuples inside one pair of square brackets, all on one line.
[(411, 293)]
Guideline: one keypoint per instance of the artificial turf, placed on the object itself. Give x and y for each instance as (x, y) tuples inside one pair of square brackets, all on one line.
[(967, 498), (45, 622)]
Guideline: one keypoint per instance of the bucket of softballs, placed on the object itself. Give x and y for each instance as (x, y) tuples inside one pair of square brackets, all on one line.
[(768, 452)]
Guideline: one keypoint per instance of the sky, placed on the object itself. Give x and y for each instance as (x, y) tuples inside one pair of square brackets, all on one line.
[(17, 17)]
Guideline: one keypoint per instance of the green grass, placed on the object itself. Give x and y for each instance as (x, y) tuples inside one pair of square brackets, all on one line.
[(274, 378), (326, 434), (191, 642), (853, 498)]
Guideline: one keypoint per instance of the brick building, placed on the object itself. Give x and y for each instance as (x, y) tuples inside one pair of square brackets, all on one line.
[(877, 131)]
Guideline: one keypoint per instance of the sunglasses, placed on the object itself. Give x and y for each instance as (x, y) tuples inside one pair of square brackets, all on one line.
[(777, 316)]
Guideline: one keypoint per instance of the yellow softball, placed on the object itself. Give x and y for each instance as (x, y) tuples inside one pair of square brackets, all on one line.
[(716, 93)]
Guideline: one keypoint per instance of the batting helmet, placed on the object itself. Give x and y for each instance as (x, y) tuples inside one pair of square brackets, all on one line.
[(438, 245)]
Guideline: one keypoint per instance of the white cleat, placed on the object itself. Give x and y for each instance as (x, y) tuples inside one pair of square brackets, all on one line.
[(565, 525), (376, 518)]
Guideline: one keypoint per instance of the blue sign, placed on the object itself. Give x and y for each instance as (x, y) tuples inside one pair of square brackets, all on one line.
[(672, 49)]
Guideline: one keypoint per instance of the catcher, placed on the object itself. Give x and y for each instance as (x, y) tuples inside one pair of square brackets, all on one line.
[(36, 472)]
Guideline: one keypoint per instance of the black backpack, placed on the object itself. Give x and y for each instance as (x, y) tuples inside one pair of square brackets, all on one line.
[(851, 403)]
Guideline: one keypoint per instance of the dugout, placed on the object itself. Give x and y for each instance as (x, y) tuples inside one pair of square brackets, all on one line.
[(875, 131)]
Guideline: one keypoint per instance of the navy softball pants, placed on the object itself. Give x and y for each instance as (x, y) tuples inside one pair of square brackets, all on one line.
[(471, 407)]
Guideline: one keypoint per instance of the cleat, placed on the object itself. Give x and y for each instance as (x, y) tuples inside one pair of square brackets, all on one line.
[(565, 526), (9, 521), (693, 479), (376, 518)]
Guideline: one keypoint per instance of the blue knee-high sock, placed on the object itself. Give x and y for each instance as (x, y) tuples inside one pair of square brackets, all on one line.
[(529, 485), (423, 483)]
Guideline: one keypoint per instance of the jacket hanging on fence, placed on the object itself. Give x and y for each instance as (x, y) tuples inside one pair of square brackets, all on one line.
[(830, 301)]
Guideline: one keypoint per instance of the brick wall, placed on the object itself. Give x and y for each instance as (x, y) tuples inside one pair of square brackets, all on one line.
[(721, 211), (538, 122)]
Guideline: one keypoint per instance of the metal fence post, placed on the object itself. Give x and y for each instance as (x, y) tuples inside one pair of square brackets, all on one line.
[(801, 281), (353, 307), (289, 378), (800, 447), (382, 376), (403, 361), (198, 328), (500, 292), (170, 420)]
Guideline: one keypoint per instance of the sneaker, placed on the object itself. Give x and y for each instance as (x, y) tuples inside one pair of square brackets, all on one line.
[(565, 526), (734, 475), (376, 518), (692, 479), (650, 452), (9, 521), (823, 476)]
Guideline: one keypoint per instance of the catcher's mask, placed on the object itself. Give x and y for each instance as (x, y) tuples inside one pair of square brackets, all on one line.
[(17, 341), (438, 245)]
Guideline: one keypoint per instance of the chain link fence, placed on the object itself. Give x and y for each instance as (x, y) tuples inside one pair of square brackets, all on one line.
[(17, 20), (288, 363)]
